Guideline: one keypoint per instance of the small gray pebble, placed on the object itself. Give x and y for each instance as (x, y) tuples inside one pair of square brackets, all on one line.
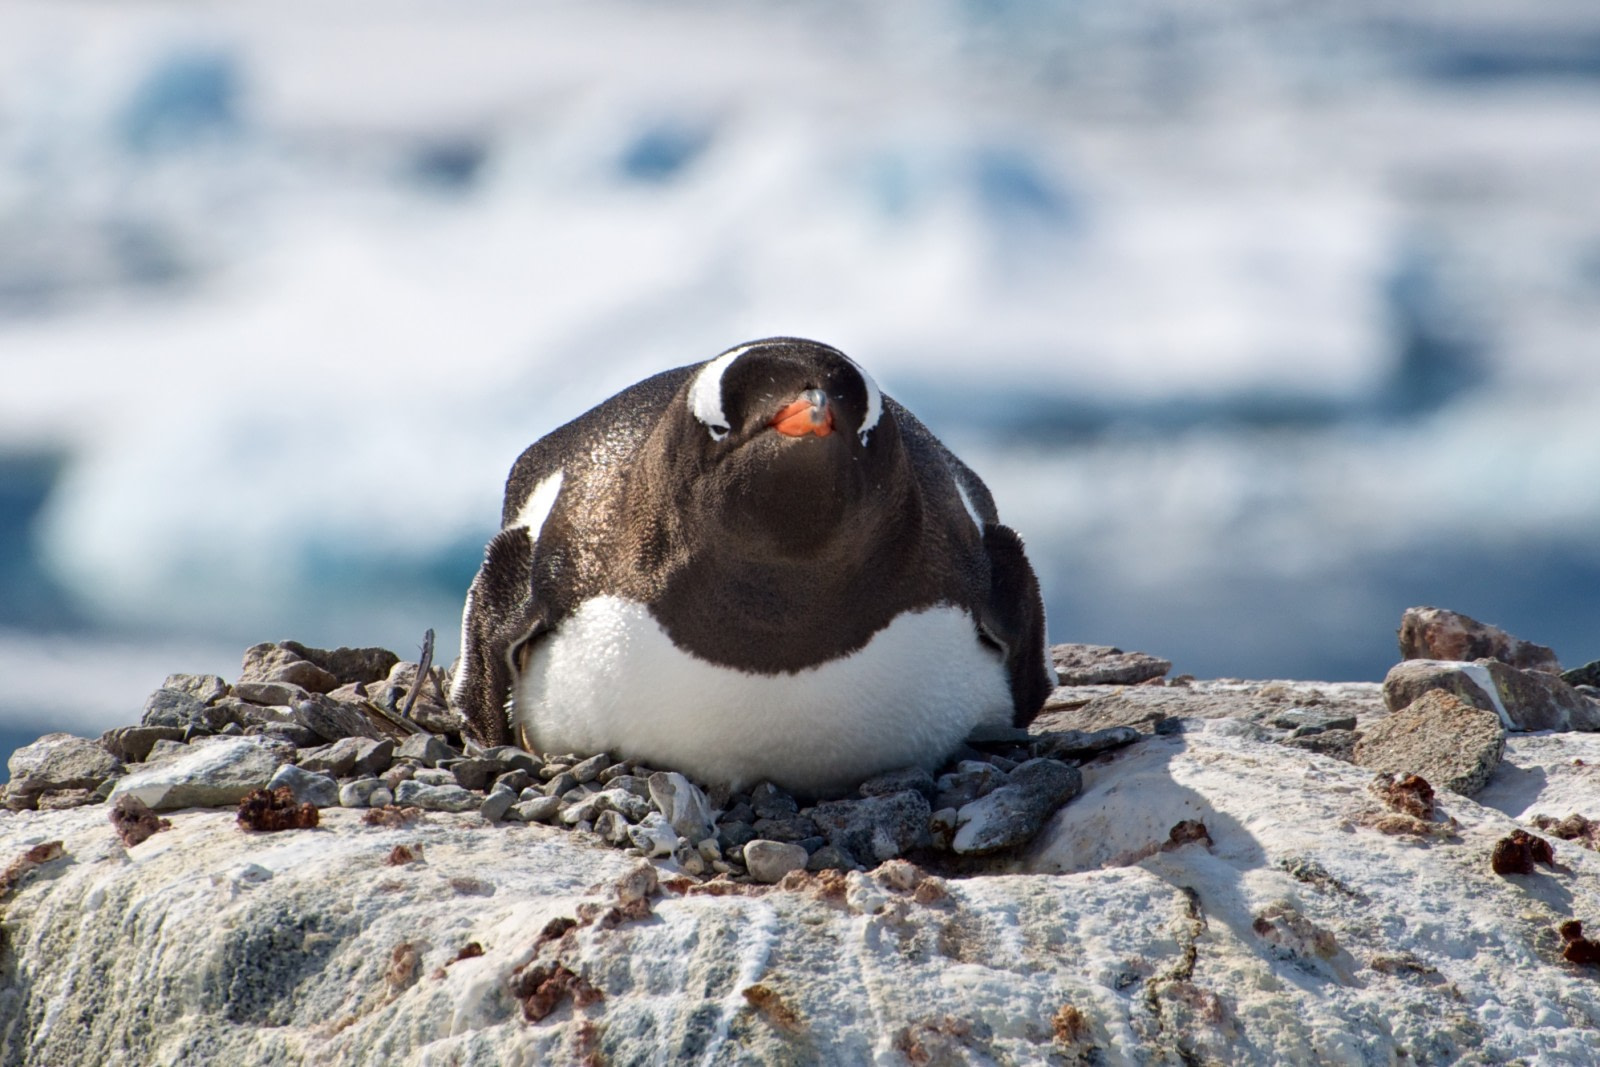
[(515, 780), (560, 783), (830, 858), (586, 770), (496, 804), (358, 794), (769, 861), (612, 828), (539, 809), (307, 786)]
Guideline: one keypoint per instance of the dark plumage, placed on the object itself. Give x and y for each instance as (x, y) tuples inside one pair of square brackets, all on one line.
[(773, 514)]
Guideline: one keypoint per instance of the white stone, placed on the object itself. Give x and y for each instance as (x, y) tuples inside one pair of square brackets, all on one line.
[(219, 772), (1399, 949)]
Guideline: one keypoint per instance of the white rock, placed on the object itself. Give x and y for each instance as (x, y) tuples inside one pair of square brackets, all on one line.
[(215, 774), (654, 835), (769, 861), (682, 802), (1377, 949)]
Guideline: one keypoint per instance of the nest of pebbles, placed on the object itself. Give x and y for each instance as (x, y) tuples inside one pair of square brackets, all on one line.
[(360, 728)]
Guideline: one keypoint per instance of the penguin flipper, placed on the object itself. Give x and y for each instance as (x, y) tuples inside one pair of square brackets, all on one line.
[(502, 615), (1016, 616)]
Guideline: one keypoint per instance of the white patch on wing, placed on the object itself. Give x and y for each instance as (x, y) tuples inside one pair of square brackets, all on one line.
[(611, 680), (458, 687), (966, 502), (705, 395), (536, 509), (874, 404)]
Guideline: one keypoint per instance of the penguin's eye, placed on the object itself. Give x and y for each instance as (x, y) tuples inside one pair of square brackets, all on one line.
[(718, 432)]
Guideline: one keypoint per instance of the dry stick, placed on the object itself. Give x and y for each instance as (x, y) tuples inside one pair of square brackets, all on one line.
[(422, 673)]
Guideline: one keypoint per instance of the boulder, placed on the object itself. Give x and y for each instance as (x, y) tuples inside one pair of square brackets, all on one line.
[(1440, 737), (1435, 633), (61, 761), (1104, 665), (1523, 699), (218, 772)]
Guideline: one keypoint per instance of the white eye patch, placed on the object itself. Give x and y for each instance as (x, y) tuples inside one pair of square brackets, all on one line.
[(705, 394)]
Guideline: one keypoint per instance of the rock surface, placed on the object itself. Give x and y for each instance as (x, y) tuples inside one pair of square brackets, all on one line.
[(1452, 744), (1435, 633), (1523, 699), (1110, 940), (1104, 665), (214, 774)]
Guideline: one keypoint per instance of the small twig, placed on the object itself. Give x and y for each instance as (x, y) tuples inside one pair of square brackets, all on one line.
[(422, 673)]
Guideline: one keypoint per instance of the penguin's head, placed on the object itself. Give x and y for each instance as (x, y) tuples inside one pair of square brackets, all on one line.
[(789, 447)]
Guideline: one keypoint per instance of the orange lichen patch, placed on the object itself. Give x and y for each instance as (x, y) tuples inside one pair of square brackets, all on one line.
[(272, 810), (34, 857), (134, 821), (1398, 824), (1518, 853), (773, 1008), (1576, 948), (800, 417), (1069, 1025)]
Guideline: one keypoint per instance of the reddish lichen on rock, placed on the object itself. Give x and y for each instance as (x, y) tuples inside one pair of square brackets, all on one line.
[(1576, 948), (1187, 832), (1409, 794), (541, 988), (273, 810), (401, 855), (391, 817), (34, 857), (134, 821), (1574, 828), (403, 962), (1518, 853)]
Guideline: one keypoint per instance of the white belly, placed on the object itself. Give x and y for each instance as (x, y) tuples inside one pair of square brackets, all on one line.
[(610, 680)]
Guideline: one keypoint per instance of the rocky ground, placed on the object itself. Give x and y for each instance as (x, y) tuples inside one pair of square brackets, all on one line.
[(311, 862)]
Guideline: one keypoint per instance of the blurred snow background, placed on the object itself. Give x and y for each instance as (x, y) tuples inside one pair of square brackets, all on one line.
[(1264, 319)]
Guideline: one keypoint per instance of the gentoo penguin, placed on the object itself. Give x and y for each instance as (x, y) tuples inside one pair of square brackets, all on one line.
[(756, 567)]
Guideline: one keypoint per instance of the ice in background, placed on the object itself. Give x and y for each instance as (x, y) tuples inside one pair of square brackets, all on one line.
[(1264, 319)]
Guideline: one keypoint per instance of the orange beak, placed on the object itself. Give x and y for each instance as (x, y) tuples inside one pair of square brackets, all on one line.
[(809, 414)]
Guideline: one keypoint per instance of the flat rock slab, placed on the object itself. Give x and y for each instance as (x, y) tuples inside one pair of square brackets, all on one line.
[(1449, 742), (1252, 941), (1104, 665), (216, 773)]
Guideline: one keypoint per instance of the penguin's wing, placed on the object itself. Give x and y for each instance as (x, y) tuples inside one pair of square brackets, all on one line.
[(1014, 619), (501, 616)]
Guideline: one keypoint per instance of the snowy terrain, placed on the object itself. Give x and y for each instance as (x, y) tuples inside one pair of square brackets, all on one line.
[(1264, 321)]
